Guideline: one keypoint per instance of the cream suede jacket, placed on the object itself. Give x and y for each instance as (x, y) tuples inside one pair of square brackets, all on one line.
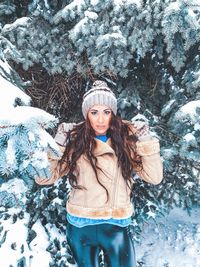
[(92, 202)]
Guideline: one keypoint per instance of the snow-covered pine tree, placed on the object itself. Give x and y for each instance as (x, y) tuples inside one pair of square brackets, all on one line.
[(148, 51), (24, 149), (24, 142), (129, 40)]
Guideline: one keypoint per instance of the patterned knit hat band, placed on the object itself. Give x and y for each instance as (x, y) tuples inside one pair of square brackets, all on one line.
[(99, 94)]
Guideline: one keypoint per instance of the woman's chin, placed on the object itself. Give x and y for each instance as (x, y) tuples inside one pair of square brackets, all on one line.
[(100, 132)]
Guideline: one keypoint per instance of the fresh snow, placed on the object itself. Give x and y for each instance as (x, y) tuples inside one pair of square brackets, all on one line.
[(139, 117), (177, 6), (118, 39), (40, 242), (17, 187), (171, 241), (9, 92), (190, 109), (34, 120), (168, 107), (72, 7), (46, 4), (91, 15), (94, 2), (16, 235), (10, 153), (128, 2), (4, 67), (74, 4), (196, 82), (39, 160), (173, 7), (78, 28), (197, 126), (25, 114), (189, 137), (18, 22)]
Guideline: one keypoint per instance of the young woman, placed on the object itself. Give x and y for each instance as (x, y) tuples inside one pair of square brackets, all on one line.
[(100, 156)]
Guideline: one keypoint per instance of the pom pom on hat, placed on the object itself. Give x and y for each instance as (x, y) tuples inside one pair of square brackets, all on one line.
[(99, 94)]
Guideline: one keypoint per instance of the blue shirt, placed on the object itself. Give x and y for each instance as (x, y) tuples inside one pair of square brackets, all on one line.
[(80, 222)]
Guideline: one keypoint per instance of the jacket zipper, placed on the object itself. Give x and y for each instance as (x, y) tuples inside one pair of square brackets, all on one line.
[(115, 182)]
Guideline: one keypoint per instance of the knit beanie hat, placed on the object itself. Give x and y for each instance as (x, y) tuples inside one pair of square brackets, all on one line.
[(99, 94)]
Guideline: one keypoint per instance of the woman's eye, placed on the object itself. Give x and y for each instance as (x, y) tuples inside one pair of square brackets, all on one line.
[(93, 112), (107, 112)]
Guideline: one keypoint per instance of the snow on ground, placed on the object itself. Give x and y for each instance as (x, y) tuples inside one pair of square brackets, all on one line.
[(15, 234), (173, 241)]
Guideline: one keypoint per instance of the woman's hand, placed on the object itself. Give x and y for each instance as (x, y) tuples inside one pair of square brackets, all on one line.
[(142, 132), (62, 131)]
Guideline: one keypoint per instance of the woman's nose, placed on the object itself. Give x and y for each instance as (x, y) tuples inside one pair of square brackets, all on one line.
[(100, 118)]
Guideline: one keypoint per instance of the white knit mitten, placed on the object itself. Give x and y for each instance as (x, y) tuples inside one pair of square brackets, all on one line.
[(142, 132), (62, 131)]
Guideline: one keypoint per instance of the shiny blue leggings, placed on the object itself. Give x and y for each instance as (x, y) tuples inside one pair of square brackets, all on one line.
[(115, 241)]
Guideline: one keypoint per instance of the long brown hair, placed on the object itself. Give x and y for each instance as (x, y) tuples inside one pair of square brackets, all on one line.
[(81, 140)]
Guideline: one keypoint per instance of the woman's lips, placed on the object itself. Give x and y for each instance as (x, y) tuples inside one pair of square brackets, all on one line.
[(100, 127)]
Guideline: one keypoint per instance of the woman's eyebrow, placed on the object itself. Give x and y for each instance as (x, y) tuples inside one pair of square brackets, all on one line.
[(92, 109)]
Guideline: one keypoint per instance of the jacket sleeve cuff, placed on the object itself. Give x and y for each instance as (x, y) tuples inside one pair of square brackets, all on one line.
[(147, 148), (54, 156)]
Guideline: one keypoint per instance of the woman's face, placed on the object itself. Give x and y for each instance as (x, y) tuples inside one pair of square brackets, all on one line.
[(100, 117)]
